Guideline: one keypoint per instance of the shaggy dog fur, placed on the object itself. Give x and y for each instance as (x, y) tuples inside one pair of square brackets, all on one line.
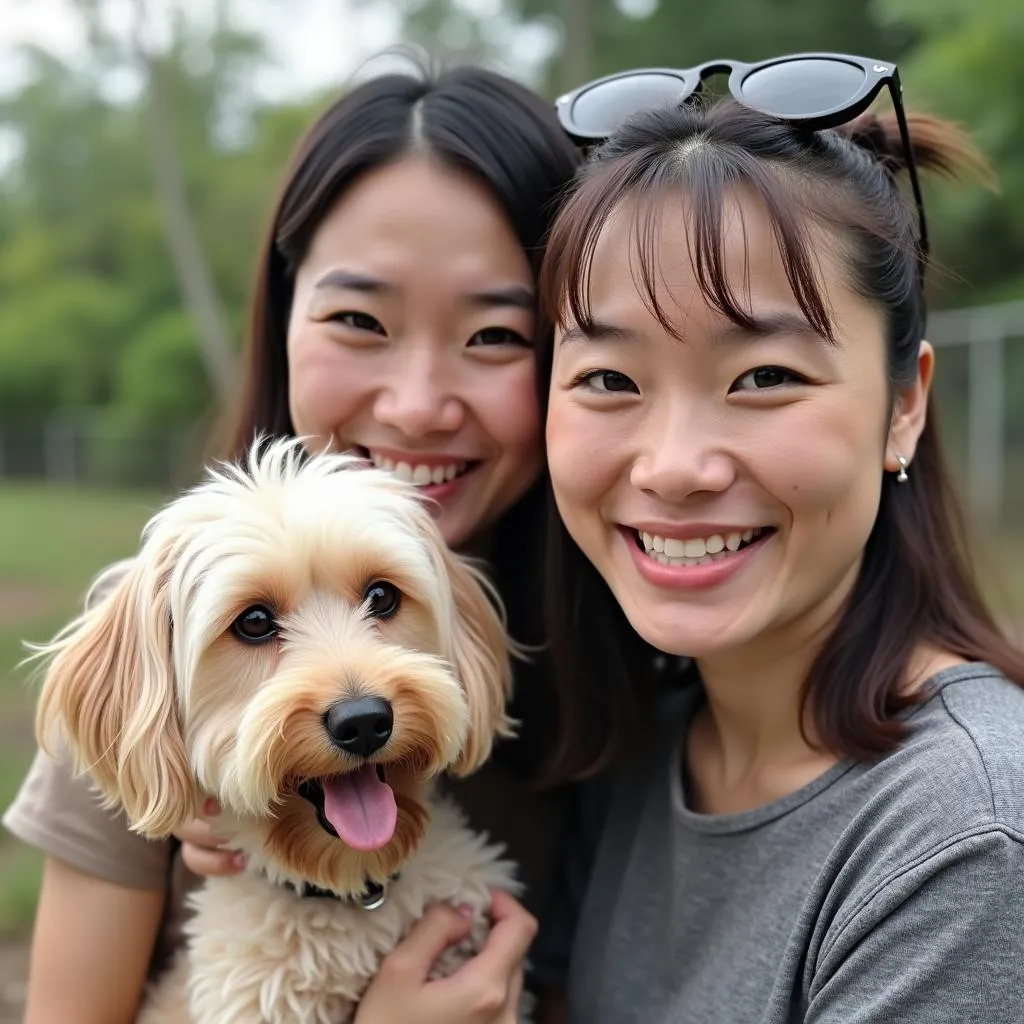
[(262, 600)]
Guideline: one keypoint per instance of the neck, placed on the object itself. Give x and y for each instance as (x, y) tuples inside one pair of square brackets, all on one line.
[(755, 709), (756, 740)]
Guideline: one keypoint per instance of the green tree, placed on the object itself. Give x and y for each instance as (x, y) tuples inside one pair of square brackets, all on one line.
[(967, 66), (92, 314), (610, 35)]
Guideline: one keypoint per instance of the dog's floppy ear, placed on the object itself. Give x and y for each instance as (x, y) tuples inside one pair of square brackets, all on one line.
[(481, 654), (109, 694)]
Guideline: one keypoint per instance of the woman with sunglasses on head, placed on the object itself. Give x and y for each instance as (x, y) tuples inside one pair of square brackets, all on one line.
[(820, 817), (394, 315)]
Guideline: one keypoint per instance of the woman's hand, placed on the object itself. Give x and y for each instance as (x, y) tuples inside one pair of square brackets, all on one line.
[(202, 850), (485, 990)]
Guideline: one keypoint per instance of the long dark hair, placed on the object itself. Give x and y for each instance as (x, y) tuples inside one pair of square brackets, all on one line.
[(916, 583), (488, 127)]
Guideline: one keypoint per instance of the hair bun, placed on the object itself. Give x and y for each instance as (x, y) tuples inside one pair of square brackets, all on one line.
[(880, 138), (937, 145)]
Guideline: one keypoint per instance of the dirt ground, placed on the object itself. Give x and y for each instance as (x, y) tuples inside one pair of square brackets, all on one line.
[(24, 600), (13, 967)]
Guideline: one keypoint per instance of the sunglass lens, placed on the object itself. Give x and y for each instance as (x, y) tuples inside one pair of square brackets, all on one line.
[(601, 110), (802, 88)]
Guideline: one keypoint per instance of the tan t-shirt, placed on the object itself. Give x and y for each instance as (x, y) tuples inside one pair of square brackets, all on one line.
[(63, 817)]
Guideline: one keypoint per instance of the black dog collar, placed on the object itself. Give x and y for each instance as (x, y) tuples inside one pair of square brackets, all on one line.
[(373, 896)]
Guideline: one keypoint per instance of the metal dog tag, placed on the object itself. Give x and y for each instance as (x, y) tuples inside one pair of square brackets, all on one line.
[(373, 897)]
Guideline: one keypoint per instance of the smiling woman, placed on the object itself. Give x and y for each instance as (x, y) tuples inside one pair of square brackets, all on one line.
[(778, 434), (742, 454), (395, 316), (411, 340)]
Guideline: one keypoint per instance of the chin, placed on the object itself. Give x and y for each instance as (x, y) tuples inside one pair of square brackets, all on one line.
[(295, 639), (688, 630)]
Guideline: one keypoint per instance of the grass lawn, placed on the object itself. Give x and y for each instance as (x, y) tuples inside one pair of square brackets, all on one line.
[(54, 540)]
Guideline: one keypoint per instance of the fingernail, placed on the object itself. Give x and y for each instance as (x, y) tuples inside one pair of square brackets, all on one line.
[(211, 806), (238, 860), (466, 911)]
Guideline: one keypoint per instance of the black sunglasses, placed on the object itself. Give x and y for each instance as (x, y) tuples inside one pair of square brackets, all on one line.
[(812, 90)]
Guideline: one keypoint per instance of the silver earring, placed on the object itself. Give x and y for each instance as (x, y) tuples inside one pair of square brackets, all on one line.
[(901, 476)]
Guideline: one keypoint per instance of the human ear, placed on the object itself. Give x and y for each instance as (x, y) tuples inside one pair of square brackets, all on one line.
[(910, 411)]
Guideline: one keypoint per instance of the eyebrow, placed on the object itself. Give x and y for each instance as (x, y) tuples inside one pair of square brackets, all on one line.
[(515, 296), (769, 325), (598, 331), (757, 327), (346, 280)]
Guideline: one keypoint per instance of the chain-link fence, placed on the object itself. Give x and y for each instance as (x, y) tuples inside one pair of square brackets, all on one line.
[(980, 394), (80, 452)]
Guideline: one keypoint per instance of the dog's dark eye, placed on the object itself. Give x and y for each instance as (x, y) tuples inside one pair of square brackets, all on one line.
[(255, 625), (382, 599)]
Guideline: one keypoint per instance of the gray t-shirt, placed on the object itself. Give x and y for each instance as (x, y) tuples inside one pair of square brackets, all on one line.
[(883, 893)]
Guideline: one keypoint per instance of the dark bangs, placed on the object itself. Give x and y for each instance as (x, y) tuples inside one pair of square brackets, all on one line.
[(706, 169)]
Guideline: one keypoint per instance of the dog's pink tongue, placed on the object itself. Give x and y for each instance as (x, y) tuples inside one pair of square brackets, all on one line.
[(361, 808)]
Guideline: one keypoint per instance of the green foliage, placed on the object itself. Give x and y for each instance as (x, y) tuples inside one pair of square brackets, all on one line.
[(57, 336), (967, 66), (160, 380), (91, 318)]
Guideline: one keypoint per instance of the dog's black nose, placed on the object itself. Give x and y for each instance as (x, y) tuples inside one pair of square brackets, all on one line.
[(361, 726)]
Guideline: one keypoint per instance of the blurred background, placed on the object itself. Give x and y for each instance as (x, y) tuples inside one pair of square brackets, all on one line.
[(141, 142)]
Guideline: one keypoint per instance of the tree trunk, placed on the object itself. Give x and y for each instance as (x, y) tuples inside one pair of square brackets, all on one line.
[(195, 279), (579, 43)]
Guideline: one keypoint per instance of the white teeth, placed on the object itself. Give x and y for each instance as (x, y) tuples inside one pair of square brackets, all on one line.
[(695, 550), (419, 474)]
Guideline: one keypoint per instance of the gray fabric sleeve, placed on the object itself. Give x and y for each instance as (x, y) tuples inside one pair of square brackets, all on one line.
[(937, 943)]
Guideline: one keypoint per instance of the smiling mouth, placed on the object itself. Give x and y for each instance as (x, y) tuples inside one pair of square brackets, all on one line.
[(357, 807), (699, 550), (421, 474)]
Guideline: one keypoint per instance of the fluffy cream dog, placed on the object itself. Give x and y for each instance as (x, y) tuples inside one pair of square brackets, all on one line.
[(295, 639)]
